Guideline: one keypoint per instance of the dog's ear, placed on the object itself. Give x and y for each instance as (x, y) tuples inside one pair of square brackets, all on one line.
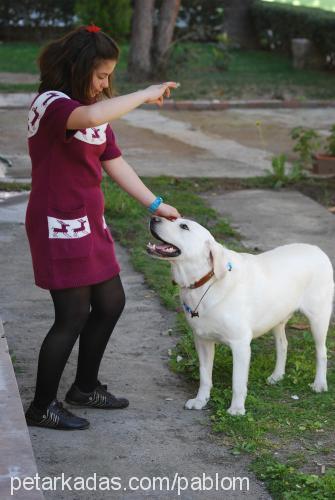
[(218, 258)]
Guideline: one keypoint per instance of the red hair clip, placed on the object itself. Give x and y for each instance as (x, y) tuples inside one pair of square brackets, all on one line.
[(92, 28)]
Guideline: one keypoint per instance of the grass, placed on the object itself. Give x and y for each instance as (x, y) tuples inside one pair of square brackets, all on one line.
[(14, 186), (19, 57), (17, 368), (251, 74), (285, 482), (18, 87), (273, 417)]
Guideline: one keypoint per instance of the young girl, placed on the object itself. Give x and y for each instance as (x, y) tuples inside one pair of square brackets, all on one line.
[(71, 246)]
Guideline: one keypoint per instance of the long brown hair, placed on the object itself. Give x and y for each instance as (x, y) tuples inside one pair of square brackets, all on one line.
[(67, 64)]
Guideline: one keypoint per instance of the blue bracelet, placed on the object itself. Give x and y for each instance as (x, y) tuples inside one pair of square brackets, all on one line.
[(155, 204)]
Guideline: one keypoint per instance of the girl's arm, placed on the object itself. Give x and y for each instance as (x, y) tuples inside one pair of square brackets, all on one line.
[(125, 176), (107, 110)]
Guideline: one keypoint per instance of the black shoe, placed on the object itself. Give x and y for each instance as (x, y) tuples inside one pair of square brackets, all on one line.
[(99, 398), (55, 417)]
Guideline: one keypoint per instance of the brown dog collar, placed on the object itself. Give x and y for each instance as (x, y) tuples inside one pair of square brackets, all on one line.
[(200, 282)]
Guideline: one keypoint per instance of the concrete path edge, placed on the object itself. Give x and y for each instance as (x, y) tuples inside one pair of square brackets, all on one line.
[(17, 457), (23, 100)]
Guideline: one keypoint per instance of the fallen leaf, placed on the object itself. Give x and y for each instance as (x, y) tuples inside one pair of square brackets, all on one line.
[(299, 326)]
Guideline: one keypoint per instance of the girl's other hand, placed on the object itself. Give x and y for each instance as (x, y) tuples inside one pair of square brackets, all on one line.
[(167, 211), (155, 93)]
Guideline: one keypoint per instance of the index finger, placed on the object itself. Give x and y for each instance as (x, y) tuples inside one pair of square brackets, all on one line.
[(173, 85)]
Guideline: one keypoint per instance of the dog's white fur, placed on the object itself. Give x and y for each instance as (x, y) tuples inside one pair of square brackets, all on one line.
[(259, 294)]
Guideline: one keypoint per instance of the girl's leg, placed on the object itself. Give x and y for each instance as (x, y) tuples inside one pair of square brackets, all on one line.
[(108, 301), (72, 308)]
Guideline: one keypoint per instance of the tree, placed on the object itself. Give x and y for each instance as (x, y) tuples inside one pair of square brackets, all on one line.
[(237, 22), (167, 19), (149, 50), (139, 65)]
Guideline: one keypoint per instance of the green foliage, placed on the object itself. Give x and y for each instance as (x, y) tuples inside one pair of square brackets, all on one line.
[(113, 16), (278, 169), (288, 21), (269, 40), (274, 419), (307, 144), (222, 52), (200, 19), (36, 13), (321, 4), (14, 186), (285, 482), (251, 74), (278, 174), (330, 149)]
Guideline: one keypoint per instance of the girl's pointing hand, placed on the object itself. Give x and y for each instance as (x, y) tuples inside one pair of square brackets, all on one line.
[(155, 93)]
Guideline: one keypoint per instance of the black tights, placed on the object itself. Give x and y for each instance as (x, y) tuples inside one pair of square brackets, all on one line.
[(89, 312)]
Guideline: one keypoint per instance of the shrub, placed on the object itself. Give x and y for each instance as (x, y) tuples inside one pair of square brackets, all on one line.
[(221, 52), (287, 22), (201, 19), (113, 16), (330, 149), (37, 13), (307, 143)]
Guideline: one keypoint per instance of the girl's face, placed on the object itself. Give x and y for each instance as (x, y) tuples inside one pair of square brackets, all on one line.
[(100, 76)]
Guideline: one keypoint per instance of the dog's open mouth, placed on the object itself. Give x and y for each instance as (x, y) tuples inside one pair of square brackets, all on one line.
[(164, 249)]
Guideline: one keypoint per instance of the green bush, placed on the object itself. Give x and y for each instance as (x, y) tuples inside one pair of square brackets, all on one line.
[(286, 22), (113, 16), (221, 52), (36, 13), (201, 20)]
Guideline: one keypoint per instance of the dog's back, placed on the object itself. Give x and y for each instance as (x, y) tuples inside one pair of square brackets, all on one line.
[(286, 279), (302, 261)]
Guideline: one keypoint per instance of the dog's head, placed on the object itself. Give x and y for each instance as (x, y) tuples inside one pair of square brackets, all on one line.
[(185, 241)]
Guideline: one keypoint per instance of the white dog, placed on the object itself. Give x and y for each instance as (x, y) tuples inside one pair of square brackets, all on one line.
[(232, 297)]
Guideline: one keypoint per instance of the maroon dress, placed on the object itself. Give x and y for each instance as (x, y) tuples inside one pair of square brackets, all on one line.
[(70, 243)]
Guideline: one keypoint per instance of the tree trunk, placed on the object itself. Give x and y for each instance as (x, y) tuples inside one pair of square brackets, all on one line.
[(237, 22), (167, 20), (139, 65)]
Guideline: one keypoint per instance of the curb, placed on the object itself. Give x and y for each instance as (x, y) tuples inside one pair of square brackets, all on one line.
[(216, 105), (16, 457), (23, 100)]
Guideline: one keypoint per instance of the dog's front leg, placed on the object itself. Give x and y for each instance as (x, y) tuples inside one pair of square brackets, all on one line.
[(205, 350), (241, 360)]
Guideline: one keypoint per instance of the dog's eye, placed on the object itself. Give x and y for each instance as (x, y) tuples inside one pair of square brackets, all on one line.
[(184, 226)]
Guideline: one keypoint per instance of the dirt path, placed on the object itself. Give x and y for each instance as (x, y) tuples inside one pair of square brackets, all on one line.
[(155, 436)]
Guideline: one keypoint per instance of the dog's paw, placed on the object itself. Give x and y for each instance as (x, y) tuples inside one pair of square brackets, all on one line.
[(236, 411), (195, 404), (273, 379), (319, 386)]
